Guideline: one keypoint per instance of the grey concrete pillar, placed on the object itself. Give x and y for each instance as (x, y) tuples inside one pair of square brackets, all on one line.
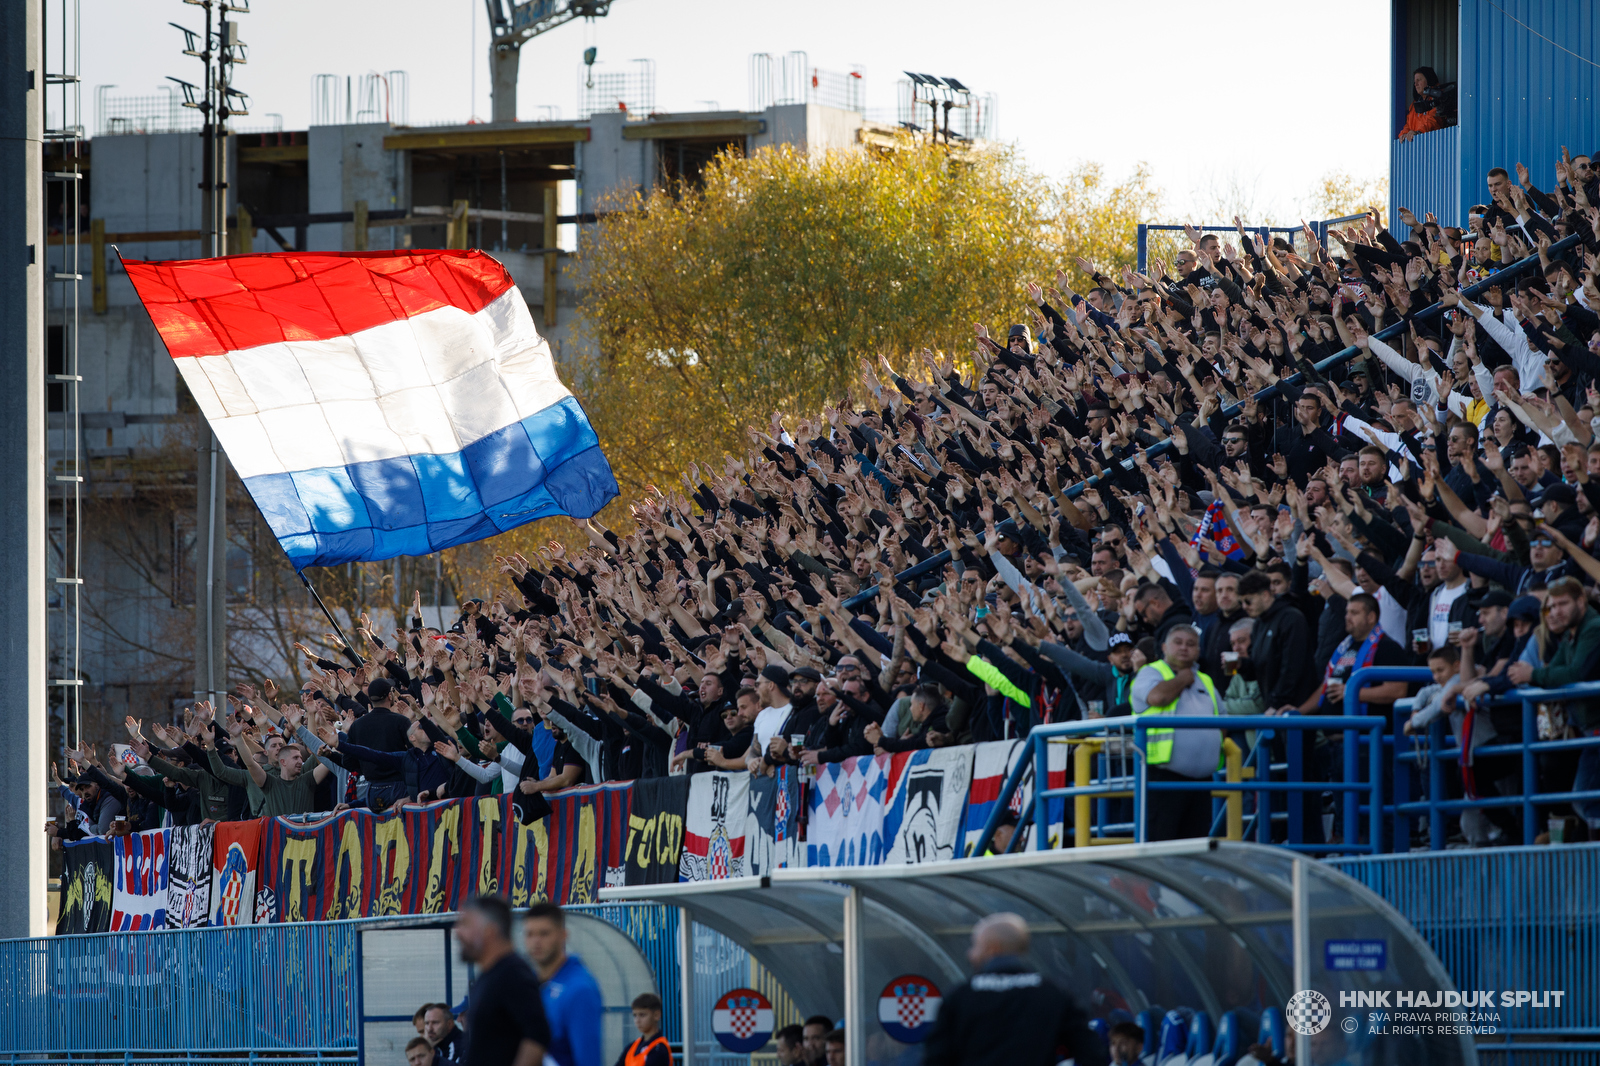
[(23, 762)]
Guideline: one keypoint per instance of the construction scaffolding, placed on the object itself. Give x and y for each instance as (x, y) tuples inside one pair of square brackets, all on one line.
[(791, 79)]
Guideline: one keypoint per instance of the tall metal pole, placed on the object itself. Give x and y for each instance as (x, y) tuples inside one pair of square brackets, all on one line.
[(1300, 925), (207, 616), (211, 482), (22, 460)]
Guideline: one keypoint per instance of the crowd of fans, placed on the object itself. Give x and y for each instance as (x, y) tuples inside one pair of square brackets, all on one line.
[(915, 572)]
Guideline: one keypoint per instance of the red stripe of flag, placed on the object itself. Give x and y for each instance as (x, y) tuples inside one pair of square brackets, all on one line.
[(211, 306)]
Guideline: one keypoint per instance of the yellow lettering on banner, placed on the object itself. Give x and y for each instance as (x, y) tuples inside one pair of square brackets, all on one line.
[(349, 852), (669, 837), (392, 853), (541, 861), (582, 887), (299, 859), (446, 840), (488, 821), (529, 856), (641, 834)]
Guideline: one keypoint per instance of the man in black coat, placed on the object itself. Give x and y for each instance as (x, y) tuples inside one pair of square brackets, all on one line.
[(382, 728), (1280, 647), (1305, 445), (1008, 1014)]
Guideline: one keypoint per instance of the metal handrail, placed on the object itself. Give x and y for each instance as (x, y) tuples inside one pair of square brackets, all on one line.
[(1358, 728), (1035, 759), (1442, 747)]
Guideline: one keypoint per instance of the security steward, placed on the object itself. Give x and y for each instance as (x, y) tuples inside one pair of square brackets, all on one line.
[(1172, 686), (651, 1048), (1008, 1014)]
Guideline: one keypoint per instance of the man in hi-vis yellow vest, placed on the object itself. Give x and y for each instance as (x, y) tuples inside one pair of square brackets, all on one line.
[(1172, 686)]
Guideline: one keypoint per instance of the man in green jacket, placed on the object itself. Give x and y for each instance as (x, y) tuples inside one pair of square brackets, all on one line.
[(1567, 612), (293, 789), (213, 791)]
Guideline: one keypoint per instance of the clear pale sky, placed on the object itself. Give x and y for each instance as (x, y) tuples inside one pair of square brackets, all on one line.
[(1179, 85)]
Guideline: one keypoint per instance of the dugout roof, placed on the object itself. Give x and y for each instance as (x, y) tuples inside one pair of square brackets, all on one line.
[(1203, 924)]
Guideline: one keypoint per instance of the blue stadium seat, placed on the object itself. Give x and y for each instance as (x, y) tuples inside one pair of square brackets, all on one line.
[(1150, 1021), (1202, 1034), (1102, 1029), (1271, 1031), (1116, 1016), (1235, 1034), (1170, 1051)]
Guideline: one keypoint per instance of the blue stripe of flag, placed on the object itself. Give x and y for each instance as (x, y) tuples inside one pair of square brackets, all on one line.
[(549, 463)]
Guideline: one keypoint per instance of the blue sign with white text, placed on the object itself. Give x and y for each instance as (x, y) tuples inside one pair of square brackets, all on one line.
[(1355, 954)]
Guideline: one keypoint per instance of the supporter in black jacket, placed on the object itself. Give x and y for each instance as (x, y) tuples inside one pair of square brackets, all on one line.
[(1280, 646), (1007, 1013)]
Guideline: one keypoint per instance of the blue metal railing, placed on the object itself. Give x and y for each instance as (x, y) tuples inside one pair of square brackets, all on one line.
[(1320, 228), (1369, 749), (1355, 729), (213, 993), (289, 993), (1442, 747)]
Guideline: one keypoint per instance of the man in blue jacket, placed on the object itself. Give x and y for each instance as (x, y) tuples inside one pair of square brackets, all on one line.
[(571, 997)]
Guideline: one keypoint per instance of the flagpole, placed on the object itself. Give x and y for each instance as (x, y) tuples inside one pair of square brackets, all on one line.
[(349, 650)]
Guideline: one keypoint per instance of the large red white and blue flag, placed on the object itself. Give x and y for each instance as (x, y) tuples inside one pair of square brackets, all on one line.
[(380, 403)]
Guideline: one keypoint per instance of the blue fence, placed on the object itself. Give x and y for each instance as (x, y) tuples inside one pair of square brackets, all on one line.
[(1320, 228), (221, 994), (1109, 781), (1374, 778), (1523, 918)]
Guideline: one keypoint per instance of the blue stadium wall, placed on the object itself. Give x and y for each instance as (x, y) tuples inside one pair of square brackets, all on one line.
[(1528, 83)]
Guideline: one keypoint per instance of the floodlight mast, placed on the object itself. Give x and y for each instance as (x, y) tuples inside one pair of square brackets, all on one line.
[(511, 25)]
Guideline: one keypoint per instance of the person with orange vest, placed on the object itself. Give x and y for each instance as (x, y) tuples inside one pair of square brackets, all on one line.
[(651, 1048)]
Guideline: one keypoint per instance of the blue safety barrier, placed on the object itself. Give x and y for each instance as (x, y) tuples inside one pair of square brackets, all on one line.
[(1356, 730), (1431, 754), (289, 993), (1142, 234), (227, 995), (1374, 778), (1518, 918)]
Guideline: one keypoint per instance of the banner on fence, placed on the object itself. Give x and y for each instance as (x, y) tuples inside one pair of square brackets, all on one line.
[(655, 830), (991, 763), (86, 887), (910, 807), (845, 822), (235, 860), (139, 883), (189, 875), (923, 823), (773, 837), (714, 834)]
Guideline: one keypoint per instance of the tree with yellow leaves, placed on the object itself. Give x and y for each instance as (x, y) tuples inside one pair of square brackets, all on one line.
[(762, 290)]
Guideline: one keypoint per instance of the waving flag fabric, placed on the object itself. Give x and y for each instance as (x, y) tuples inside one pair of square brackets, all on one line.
[(377, 404), (1214, 533)]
